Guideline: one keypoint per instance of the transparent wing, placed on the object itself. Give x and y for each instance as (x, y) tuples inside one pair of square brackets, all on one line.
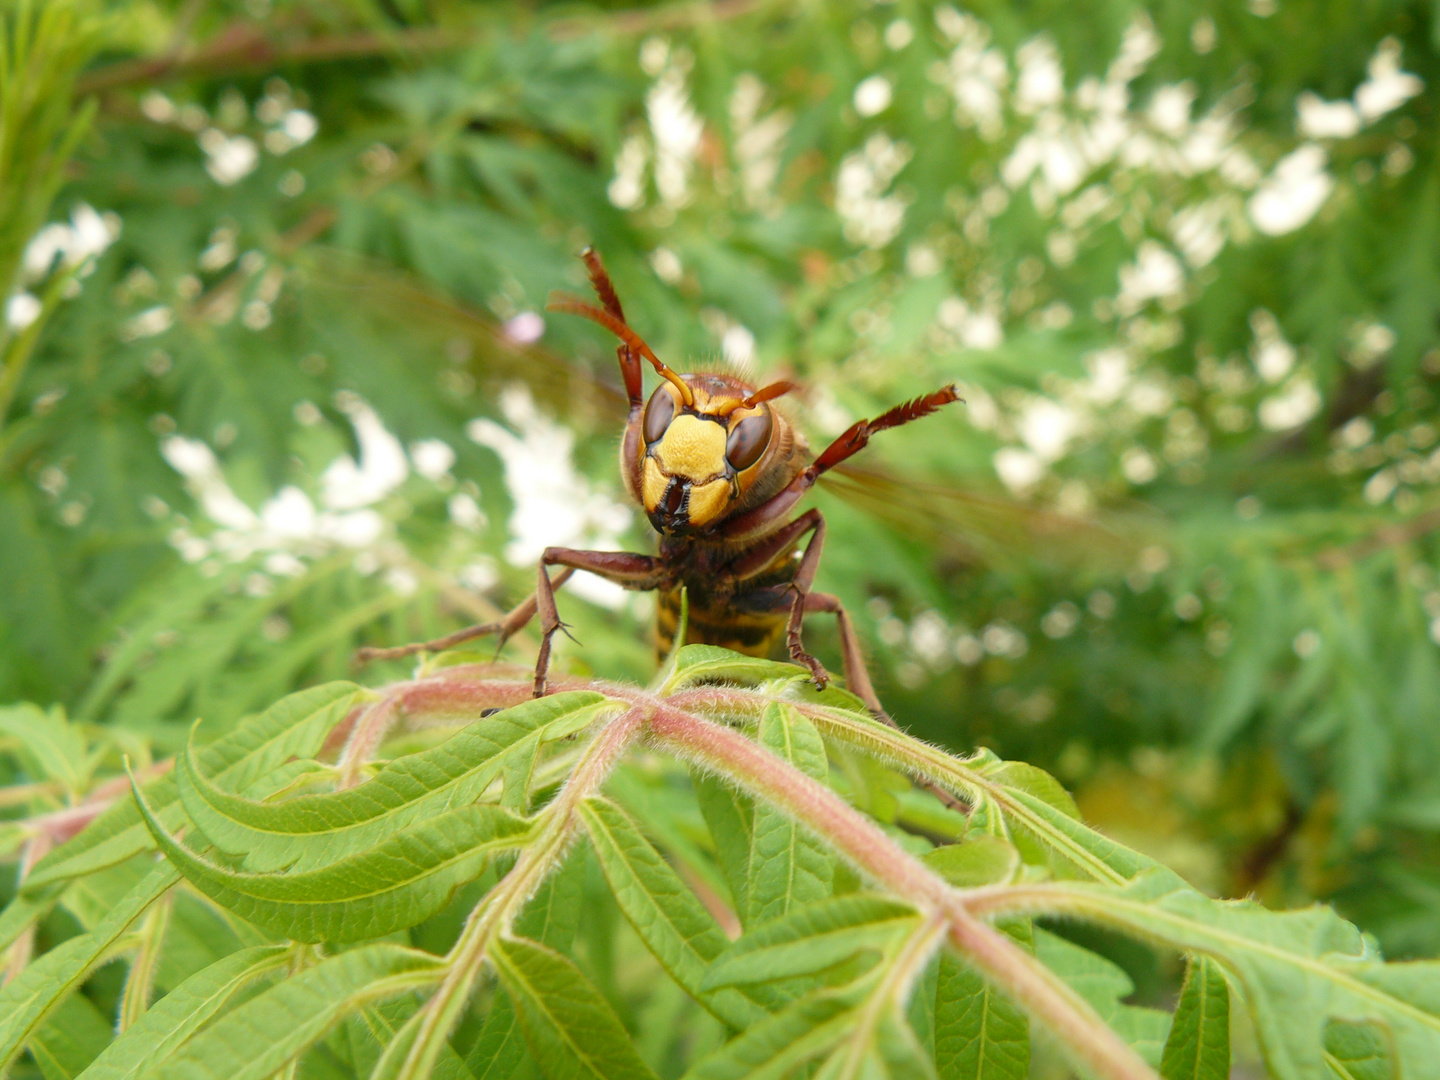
[(981, 527)]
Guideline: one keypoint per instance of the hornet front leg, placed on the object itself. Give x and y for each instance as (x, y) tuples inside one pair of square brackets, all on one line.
[(630, 571)]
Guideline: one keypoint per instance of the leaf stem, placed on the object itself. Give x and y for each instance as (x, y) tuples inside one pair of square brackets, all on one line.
[(141, 978), (1011, 969), (502, 905)]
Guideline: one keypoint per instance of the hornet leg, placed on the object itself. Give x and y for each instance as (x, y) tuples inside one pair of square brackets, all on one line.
[(857, 678), (640, 572), (506, 627), (800, 586)]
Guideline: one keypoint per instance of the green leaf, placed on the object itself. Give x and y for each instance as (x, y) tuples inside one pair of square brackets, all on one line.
[(1105, 986), (294, 726), (812, 939), (1297, 970), (888, 1051), (402, 881), (50, 748), (787, 865), (670, 920), (28, 998), (552, 916), (977, 860), (979, 1033), (184, 1011), (391, 1028), (499, 1052), (571, 1029), (1359, 1051), (780, 1044), (24, 911), (1045, 819), (1199, 1044), (729, 814), (313, 830), (256, 1039), (709, 663), (70, 1039)]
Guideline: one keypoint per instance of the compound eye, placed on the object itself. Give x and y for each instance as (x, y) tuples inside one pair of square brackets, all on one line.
[(748, 440), (658, 415)]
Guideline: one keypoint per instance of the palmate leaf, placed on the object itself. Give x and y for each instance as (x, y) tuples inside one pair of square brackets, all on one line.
[(182, 1012), (729, 815), (313, 830), (569, 1026), (1298, 970), (401, 881), (1199, 1044), (258, 1038), (28, 998), (672, 922), (295, 726), (24, 910)]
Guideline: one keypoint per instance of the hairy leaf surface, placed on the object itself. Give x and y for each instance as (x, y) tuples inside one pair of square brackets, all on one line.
[(29, 997), (400, 882), (183, 1011), (787, 865), (313, 830), (668, 917), (1198, 1047), (259, 1037), (295, 726), (571, 1029)]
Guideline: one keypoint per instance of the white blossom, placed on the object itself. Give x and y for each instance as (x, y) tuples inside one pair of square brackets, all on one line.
[(871, 217), (230, 158), (432, 458), (21, 310), (872, 96), (1019, 470), (1386, 87), (526, 328), (300, 126), (676, 128), (1293, 193), (1155, 275), (1040, 80), (554, 504), (1292, 406), (975, 74), (1316, 118), (1047, 427)]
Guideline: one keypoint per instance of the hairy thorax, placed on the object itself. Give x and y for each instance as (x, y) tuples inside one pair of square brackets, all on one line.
[(749, 619)]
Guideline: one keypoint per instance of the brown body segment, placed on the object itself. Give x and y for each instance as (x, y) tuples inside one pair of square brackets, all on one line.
[(718, 470)]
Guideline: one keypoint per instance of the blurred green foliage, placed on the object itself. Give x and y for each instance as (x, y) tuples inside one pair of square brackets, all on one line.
[(1184, 258)]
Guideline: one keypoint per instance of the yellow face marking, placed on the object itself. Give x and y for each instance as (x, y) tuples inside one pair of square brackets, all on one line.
[(693, 449), (652, 485), (707, 500)]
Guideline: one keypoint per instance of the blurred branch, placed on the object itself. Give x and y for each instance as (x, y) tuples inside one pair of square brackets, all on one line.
[(1379, 540), (245, 46)]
